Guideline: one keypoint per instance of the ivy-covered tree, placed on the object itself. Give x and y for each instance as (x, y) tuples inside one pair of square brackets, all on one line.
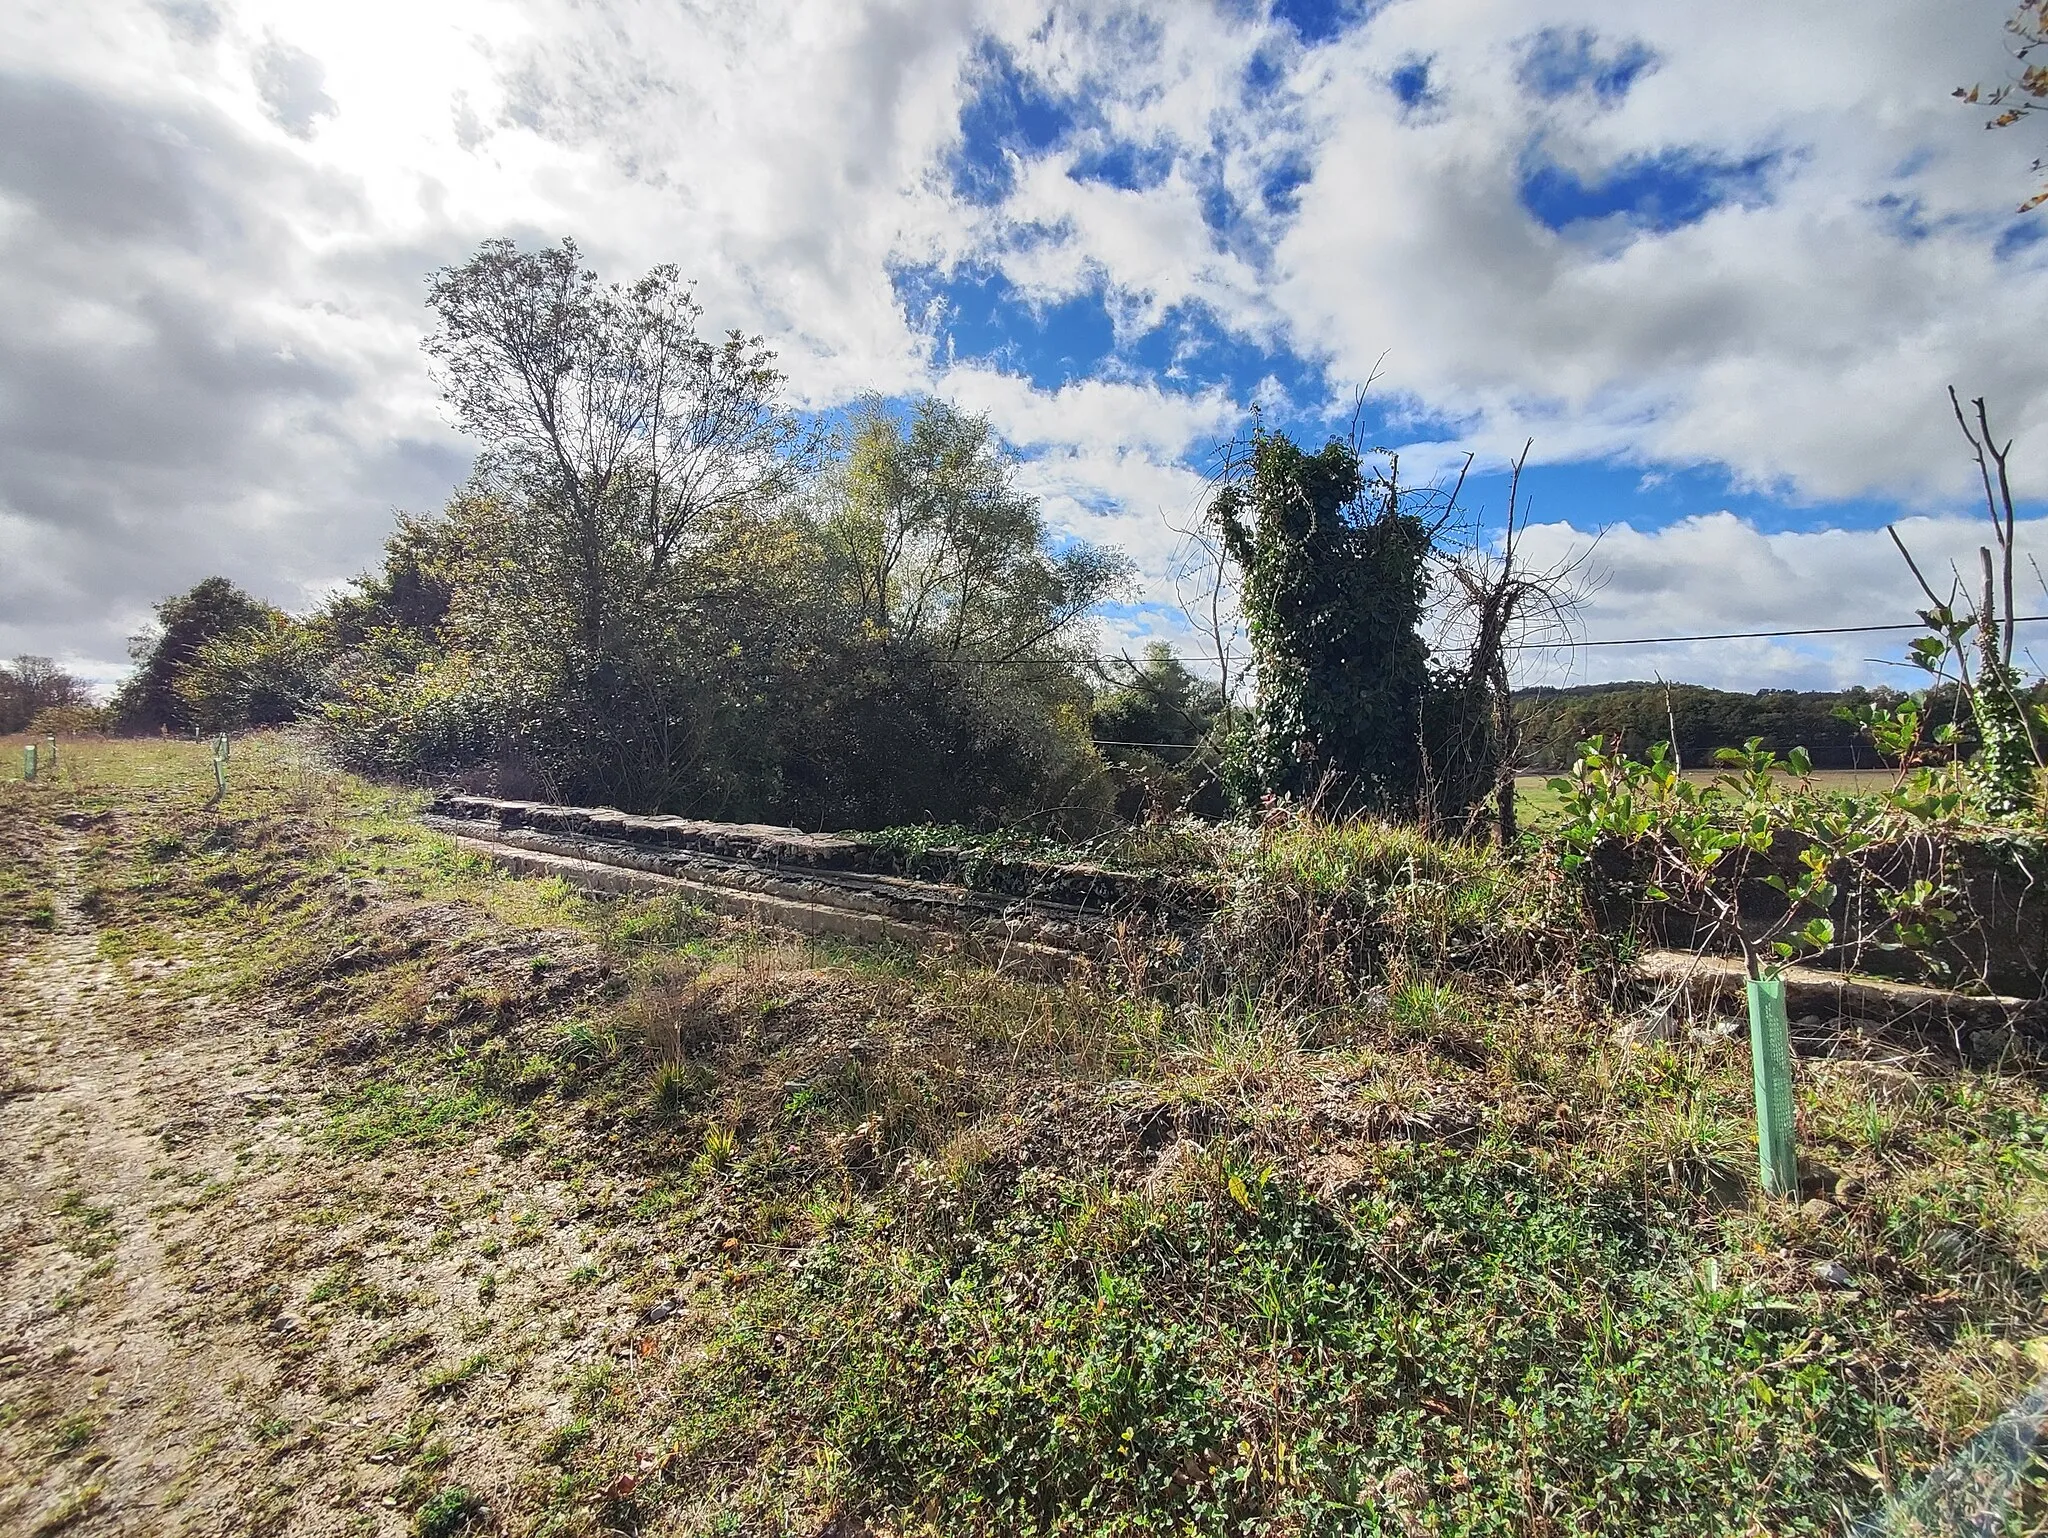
[(1335, 579)]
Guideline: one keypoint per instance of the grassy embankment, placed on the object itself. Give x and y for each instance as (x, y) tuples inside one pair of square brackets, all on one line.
[(914, 1248)]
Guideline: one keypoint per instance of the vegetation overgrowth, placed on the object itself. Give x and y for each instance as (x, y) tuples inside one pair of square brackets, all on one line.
[(1634, 717), (660, 589), (921, 1248)]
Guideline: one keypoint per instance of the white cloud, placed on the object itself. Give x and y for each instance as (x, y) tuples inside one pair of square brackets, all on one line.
[(215, 220), (1718, 573)]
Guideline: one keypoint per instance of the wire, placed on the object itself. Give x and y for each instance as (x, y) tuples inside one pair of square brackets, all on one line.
[(1756, 635), (1641, 640)]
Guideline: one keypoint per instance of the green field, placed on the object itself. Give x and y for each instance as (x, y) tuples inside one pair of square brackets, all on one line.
[(1538, 803)]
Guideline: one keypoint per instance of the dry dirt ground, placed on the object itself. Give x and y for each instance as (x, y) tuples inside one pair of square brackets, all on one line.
[(212, 1323)]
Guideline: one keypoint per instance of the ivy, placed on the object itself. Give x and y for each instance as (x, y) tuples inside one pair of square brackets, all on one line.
[(1334, 585)]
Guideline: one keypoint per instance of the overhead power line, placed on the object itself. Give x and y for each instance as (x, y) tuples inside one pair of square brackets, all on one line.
[(1640, 640), (1758, 635)]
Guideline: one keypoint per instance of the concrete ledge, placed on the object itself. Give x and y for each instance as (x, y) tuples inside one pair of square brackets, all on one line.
[(770, 911), (1711, 980)]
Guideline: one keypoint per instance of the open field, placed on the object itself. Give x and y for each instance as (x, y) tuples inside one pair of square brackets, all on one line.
[(353, 1187)]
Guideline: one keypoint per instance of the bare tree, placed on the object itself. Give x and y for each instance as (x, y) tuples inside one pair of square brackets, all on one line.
[(1205, 588), (1991, 691), (1502, 605)]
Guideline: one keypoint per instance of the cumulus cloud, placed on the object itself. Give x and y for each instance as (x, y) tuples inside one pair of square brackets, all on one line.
[(289, 80), (1754, 236), (1718, 573)]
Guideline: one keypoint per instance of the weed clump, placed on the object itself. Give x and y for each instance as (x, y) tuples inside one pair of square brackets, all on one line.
[(451, 1511), (1317, 916)]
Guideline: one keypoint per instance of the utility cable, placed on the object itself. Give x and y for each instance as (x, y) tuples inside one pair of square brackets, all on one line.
[(1641, 640)]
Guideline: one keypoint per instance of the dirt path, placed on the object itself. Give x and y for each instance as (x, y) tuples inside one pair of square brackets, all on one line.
[(211, 1323)]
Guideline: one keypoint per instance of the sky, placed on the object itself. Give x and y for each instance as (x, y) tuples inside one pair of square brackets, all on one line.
[(1719, 263)]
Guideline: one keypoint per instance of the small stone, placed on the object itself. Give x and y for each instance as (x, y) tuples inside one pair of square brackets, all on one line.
[(1818, 1210), (1831, 1274)]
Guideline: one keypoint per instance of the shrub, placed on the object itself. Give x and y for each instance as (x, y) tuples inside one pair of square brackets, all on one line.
[(70, 721)]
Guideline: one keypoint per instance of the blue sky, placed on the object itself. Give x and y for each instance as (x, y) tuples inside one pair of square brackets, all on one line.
[(1719, 264)]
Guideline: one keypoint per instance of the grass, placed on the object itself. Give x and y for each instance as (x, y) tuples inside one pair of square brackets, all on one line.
[(372, 1119), (1241, 1352), (1540, 807), (938, 1251)]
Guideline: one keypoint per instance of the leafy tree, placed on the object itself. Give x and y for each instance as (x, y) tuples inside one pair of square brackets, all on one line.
[(949, 684), (1335, 578), (658, 592), (619, 432), (619, 447), (30, 685), (1631, 717), (1157, 703), (185, 623), (264, 674), (1158, 724), (941, 550), (409, 594)]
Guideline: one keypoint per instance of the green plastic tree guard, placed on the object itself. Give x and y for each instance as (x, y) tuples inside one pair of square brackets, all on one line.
[(1770, 1054), (28, 762)]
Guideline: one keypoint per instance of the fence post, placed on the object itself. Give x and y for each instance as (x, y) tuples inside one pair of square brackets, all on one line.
[(28, 762), (1770, 1053)]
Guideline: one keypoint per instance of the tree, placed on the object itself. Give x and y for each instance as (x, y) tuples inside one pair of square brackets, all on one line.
[(1499, 604), (943, 551), (264, 674), (948, 686), (1159, 724), (1334, 565), (601, 409), (185, 623), (657, 591), (31, 685), (2005, 767), (409, 594), (618, 448), (2025, 94)]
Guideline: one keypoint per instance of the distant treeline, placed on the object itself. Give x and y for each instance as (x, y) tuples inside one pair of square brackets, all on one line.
[(1635, 715)]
